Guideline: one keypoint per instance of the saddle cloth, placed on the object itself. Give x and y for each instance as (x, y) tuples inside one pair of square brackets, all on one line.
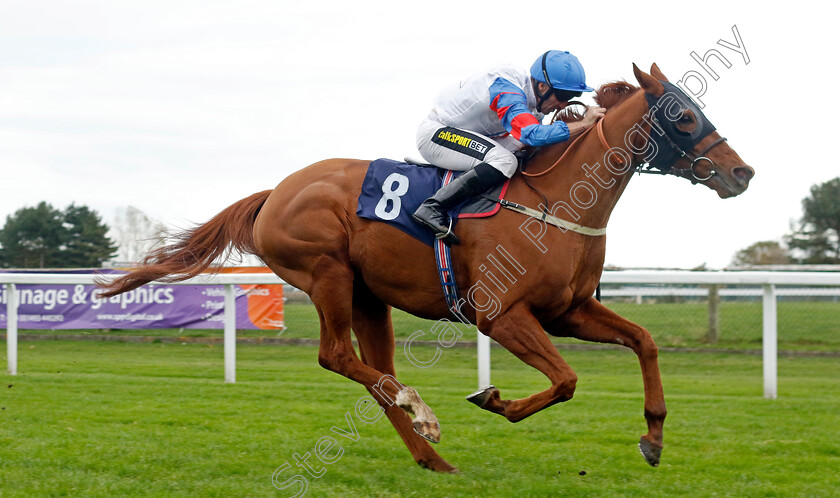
[(393, 190)]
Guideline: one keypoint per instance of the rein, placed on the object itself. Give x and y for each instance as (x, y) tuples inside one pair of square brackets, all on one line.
[(563, 155), (545, 216), (599, 128), (681, 153)]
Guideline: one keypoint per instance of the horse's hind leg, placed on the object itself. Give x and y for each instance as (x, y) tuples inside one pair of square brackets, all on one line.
[(332, 294), (595, 322), (521, 334), (375, 333)]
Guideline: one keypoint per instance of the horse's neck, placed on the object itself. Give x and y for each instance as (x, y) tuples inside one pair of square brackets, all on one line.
[(584, 170)]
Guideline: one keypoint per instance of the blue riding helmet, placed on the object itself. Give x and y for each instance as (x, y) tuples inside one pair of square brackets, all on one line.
[(560, 70)]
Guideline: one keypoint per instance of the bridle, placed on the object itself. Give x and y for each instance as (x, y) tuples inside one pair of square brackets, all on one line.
[(695, 160), (646, 168), (671, 144)]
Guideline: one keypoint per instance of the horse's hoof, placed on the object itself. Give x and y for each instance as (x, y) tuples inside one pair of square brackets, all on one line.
[(439, 465), (430, 431), (481, 396), (651, 451)]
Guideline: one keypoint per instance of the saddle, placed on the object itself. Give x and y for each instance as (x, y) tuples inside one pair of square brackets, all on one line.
[(393, 190)]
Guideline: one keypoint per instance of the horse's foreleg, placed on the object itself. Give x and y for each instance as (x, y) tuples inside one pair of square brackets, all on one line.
[(595, 322), (521, 334), (375, 333)]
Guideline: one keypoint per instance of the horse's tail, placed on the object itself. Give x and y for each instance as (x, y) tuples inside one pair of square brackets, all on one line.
[(193, 251)]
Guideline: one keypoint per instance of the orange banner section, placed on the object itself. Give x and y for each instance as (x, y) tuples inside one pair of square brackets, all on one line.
[(265, 302)]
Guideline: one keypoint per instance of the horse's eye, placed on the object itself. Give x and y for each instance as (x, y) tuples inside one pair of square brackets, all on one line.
[(685, 124)]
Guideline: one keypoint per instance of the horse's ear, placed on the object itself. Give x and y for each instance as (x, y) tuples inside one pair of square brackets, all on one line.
[(657, 73), (650, 84)]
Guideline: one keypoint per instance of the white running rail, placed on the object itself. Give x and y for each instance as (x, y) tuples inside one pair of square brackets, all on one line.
[(767, 280)]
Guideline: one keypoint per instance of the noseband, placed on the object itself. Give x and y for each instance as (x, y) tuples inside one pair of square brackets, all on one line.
[(695, 160)]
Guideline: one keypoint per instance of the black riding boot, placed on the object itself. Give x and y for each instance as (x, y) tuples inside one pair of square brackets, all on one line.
[(432, 213)]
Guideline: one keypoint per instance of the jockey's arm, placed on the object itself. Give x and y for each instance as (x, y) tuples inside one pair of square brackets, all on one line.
[(510, 104)]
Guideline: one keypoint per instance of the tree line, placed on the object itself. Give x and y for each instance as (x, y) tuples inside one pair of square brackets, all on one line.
[(76, 237), (814, 239), (45, 237)]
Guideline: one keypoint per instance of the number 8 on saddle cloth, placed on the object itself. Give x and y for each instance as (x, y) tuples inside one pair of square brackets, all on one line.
[(392, 190)]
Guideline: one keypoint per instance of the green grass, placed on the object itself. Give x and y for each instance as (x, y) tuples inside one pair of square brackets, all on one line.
[(107, 419), (808, 325)]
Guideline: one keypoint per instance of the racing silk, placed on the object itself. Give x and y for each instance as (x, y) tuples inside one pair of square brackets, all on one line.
[(495, 104)]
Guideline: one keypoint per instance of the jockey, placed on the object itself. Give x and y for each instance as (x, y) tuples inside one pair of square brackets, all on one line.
[(476, 125)]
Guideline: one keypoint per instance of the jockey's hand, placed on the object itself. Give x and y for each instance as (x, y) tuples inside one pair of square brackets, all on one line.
[(593, 114)]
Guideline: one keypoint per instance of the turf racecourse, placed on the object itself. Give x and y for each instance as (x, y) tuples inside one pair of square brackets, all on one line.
[(108, 419)]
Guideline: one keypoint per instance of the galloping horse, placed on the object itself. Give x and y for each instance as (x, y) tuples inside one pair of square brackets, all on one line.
[(307, 231)]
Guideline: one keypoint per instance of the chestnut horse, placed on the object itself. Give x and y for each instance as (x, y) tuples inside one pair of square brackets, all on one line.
[(355, 269)]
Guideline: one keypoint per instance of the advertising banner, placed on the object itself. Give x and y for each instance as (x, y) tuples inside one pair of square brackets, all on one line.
[(149, 307)]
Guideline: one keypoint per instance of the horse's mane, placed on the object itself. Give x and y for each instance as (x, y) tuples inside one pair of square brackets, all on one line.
[(606, 96), (610, 94)]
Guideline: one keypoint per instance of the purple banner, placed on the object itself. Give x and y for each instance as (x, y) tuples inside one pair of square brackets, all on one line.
[(151, 306)]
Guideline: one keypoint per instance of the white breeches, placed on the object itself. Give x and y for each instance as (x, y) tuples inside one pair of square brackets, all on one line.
[(461, 150)]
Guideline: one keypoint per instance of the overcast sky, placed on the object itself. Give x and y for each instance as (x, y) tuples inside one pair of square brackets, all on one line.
[(180, 108)]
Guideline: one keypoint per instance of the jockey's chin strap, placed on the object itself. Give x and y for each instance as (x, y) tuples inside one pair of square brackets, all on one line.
[(541, 97)]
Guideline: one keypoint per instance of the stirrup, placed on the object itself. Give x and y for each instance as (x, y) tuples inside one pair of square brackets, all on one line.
[(448, 232), (448, 237)]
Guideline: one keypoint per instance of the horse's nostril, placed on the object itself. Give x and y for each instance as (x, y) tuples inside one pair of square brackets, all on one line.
[(743, 174)]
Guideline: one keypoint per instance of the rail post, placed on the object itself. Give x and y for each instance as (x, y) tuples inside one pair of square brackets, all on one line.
[(770, 341), (230, 333), (483, 349), (714, 314), (11, 328)]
